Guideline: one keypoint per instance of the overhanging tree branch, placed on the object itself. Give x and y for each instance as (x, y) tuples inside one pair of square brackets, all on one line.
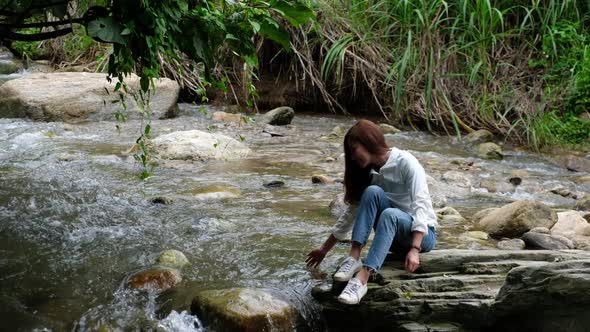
[(41, 24), (9, 35)]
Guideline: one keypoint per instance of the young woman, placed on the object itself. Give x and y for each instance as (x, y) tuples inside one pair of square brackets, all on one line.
[(388, 188)]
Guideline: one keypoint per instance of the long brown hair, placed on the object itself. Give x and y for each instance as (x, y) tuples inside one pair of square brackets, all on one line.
[(357, 179)]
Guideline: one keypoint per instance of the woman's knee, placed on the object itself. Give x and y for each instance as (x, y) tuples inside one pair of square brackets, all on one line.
[(396, 217), (372, 191)]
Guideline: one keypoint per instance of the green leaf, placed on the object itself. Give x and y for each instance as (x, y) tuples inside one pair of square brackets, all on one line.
[(271, 29), (295, 12), (144, 82), (106, 29), (255, 26)]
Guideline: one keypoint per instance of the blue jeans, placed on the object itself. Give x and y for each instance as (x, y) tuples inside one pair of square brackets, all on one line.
[(393, 228)]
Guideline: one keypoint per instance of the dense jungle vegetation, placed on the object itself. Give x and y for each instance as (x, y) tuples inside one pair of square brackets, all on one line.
[(518, 68)]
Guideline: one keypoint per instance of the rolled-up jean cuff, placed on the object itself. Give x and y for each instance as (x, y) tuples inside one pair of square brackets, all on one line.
[(359, 242), (369, 268)]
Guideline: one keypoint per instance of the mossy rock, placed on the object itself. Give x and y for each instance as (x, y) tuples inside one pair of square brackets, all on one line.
[(244, 309), (479, 136), (490, 151), (155, 279), (172, 258), (280, 116)]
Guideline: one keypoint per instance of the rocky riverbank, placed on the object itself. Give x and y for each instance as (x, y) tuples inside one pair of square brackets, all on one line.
[(471, 290)]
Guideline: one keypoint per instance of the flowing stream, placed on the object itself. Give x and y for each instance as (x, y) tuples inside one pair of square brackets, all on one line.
[(75, 220)]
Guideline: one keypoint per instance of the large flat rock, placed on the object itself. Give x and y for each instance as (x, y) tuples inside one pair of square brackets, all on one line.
[(74, 97), (459, 289)]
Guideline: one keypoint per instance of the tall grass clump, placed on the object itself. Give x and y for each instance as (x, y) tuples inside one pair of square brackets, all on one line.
[(519, 68)]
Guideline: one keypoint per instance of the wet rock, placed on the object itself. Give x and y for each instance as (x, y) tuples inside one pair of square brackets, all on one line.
[(172, 258), (581, 242), (155, 279), (521, 173), (515, 180), (494, 186), (448, 215), (583, 180), (552, 289), (456, 287), (458, 179), (243, 309), (574, 163), (336, 132), (220, 116), (280, 116), (162, 200), (199, 145), (481, 214), (479, 137), (490, 151), (432, 327), (477, 235), (542, 230), (66, 156), (388, 129), (464, 164), (10, 66), (437, 192), (564, 192), (74, 97), (546, 241), (511, 244), (321, 179), (329, 159), (447, 211), (215, 192), (583, 204), (569, 224), (274, 184), (5, 53), (516, 218)]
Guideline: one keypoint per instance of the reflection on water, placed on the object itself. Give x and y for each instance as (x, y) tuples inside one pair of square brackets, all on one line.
[(75, 220)]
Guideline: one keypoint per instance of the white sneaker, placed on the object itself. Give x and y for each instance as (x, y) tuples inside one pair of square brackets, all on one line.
[(348, 269), (353, 292)]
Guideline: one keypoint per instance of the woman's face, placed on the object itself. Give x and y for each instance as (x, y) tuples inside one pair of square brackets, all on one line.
[(360, 155)]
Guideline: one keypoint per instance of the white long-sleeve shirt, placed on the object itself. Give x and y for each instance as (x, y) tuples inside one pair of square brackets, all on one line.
[(404, 181)]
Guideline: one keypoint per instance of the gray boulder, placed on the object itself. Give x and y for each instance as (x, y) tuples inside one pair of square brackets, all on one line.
[(280, 116), (535, 240), (512, 244), (244, 309), (75, 97), (560, 291), (199, 145), (583, 204), (490, 151), (479, 136), (516, 218), (570, 224), (458, 289), (9, 66), (388, 129)]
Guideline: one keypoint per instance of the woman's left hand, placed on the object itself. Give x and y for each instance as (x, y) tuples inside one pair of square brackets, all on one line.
[(412, 260)]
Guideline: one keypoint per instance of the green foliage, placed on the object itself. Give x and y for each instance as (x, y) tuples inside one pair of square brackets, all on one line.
[(30, 50), (460, 64), (553, 129)]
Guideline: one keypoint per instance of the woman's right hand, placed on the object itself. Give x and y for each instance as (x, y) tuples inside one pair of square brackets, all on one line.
[(315, 257)]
